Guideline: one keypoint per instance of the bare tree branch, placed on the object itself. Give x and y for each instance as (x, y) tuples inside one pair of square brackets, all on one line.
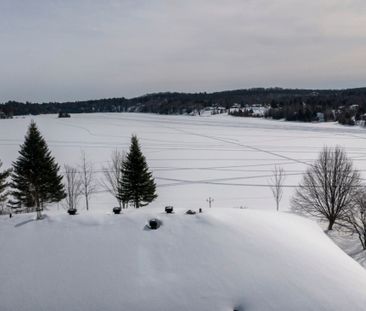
[(89, 187), (355, 221), (73, 187), (328, 187), (276, 183), (113, 175)]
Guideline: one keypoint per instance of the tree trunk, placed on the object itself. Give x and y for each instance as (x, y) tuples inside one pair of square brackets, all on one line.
[(363, 242), (330, 225), (87, 202), (38, 207)]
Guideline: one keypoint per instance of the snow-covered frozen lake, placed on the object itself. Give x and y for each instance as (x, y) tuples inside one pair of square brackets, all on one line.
[(192, 158)]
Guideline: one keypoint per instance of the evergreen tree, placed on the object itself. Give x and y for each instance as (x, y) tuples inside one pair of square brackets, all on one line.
[(35, 176), (137, 184), (3, 187)]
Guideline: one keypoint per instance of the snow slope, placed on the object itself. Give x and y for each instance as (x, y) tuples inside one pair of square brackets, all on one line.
[(218, 260)]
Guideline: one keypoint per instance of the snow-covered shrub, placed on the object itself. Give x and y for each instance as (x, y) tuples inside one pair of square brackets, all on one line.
[(154, 223)]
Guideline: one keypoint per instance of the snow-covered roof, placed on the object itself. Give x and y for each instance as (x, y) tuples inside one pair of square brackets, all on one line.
[(221, 259)]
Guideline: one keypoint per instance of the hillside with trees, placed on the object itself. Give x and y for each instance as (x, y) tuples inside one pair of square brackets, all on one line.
[(345, 106)]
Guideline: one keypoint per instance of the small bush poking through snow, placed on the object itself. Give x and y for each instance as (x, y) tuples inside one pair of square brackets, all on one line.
[(117, 210), (154, 223), (190, 212), (169, 209), (72, 211)]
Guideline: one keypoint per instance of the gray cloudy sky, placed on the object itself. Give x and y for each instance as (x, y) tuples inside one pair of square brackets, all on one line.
[(81, 49)]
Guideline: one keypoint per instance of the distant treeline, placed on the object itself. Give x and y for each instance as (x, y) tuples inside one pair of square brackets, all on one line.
[(14, 108), (345, 106)]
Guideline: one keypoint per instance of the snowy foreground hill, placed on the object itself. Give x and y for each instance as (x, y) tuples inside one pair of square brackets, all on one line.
[(222, 259)]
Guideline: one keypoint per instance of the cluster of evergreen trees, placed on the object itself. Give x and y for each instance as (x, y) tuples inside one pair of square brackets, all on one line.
[(36, 179)]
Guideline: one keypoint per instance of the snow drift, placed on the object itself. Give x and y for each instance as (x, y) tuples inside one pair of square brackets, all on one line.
[(222, 259)]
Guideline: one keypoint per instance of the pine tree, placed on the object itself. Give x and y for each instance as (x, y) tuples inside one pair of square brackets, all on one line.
[(137, 184), (3, 187), (35, 177)]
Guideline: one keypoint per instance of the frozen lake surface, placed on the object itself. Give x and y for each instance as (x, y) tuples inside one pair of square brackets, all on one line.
[(193, 158)]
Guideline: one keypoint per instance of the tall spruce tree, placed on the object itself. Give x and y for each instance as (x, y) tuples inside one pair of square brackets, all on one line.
[(35, 178), (137, 184), (3, 187)]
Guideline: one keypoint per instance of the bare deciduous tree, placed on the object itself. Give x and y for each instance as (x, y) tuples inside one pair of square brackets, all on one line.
[(89, 187), (113, 175), (328, 187), (276, 183), (73, 187), (355, 220)]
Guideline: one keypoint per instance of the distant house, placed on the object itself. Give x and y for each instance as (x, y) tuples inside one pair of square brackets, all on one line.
[(320, 116), (258, 110), (362, 121), (235, 108), (64, 115), (218, 110)]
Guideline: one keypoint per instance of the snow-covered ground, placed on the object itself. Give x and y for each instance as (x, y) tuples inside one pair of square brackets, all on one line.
[(226, 257), (223, 259)]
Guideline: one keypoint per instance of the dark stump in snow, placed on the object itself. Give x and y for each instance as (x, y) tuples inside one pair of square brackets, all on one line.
[(190, 212), (154, 223), (169, 209), (117, 210), (72, 211)]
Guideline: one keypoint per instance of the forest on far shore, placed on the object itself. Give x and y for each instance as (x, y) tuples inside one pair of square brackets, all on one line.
[(346, 106)]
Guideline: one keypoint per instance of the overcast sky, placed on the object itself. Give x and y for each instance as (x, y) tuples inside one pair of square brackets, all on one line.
[(57, 50)]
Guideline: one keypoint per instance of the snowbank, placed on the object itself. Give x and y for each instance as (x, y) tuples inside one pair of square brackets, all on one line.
[(219, 260)]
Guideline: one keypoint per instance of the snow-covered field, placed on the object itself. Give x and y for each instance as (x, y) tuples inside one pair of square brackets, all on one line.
[(252, 258)]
